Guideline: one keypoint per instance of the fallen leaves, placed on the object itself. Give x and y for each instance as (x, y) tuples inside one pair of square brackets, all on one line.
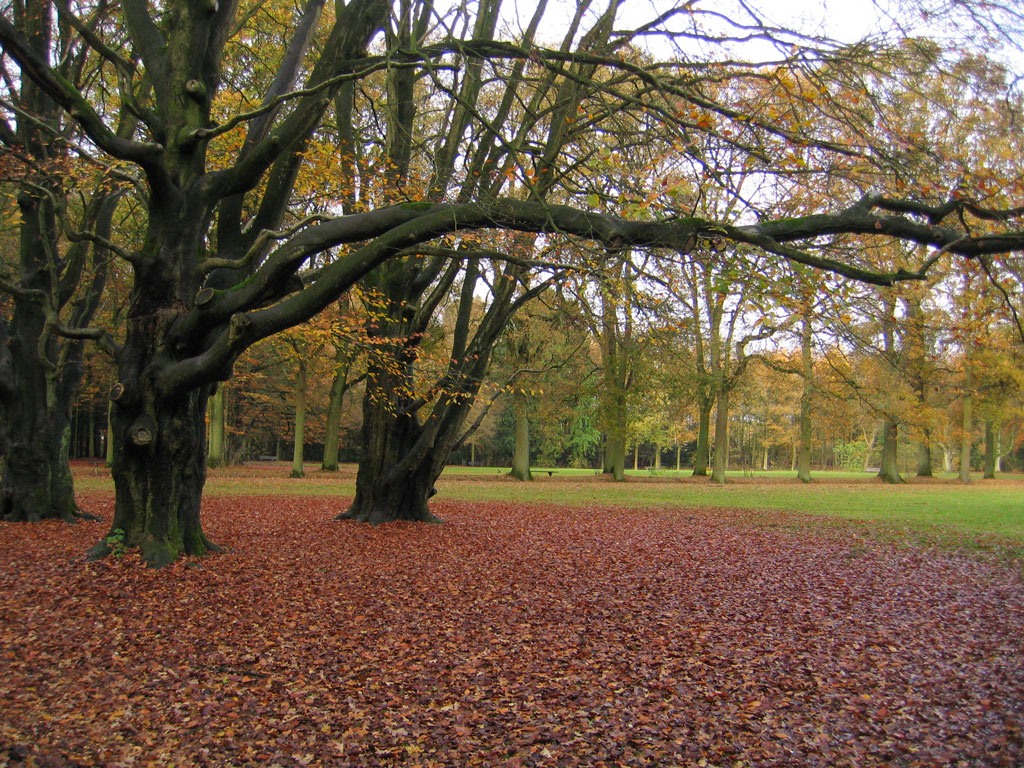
[(510, 635)]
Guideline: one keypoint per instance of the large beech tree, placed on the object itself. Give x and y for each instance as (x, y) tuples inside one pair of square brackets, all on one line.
[(226, 256)]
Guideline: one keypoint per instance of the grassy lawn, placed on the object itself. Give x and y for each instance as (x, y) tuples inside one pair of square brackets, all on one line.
[(984, 508)]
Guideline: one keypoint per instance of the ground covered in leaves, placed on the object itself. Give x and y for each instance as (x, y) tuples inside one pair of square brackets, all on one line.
[(512, 635)]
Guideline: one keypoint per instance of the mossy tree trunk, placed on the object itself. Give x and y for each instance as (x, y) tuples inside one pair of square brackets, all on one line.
[(889, 471), (702, 455), (521, 437), (300, 419), (218, 427), (721, 456)]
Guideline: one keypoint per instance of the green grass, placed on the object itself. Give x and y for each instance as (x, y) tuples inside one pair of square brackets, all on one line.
[(983, 508)]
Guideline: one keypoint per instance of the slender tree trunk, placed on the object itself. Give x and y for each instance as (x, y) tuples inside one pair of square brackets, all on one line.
[(889, 472), (989, 467), (636, 455), (108, 444), (300, 420), (721, 458), (91, 443), (947, 458), (869, 446), (764, 458), (218, 456), (702, 454), (657, 457), (679, 449), (803, 455), (966, 424), (339, 386), (521, 447)]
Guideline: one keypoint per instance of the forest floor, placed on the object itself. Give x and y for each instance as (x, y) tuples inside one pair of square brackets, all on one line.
[(515, 634)]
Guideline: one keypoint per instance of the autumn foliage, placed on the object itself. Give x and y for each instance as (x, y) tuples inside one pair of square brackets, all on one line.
[(513, 635)]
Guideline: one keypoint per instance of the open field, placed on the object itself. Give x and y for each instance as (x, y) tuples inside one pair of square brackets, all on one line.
[(513, 635), (991, 509)]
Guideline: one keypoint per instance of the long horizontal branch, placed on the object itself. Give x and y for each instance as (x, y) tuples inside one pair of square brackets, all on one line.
[(389, 232)]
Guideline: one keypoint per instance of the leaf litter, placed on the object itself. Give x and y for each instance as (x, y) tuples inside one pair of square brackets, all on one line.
[(512, 635)]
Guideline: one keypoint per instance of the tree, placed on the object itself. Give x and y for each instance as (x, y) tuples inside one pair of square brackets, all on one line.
[(55, 281), (230, 254)]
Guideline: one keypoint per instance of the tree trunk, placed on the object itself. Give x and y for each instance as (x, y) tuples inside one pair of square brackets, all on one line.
[(966, 425), (636, 455), (300, 420), (889, 472), (657, 457), (924, 458), (159, 470), (615, 438), (397, 471), (339, 385), (803, 453), (108, 444), (989, 467), (679, 450), (703, 451), (521, 447), (35, 424), (218, 455), (721, 459)]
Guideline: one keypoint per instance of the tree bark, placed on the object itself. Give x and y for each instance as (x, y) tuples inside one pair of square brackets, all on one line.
[(218, 454), (721, 459), (803, 453), (396, 475), (924, 458), (300, 420), (703, 453), (35, 422), (989, 466), (966, 423), (159, 470), (889, 471), (339, 386), (521, 447)]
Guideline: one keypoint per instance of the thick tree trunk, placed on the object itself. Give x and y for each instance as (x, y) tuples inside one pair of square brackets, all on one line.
[(300, 420), (393, 483), (36, 481), (35, 421), (521, 446), (703, 452), (989, 466), (721, 459), (889, 472), (159, 470)]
